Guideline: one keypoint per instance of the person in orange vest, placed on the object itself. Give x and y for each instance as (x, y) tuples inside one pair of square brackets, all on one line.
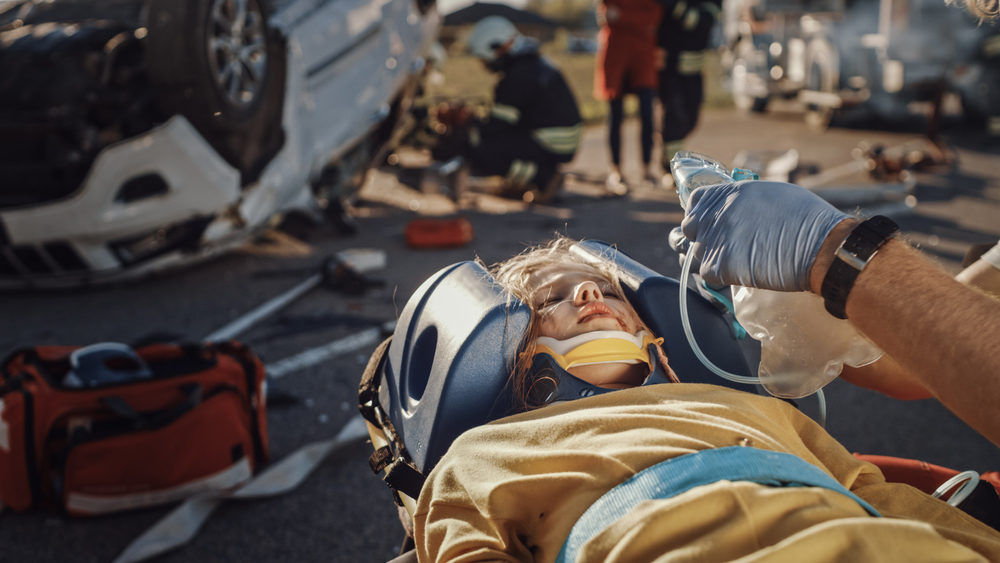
[(626, 62)]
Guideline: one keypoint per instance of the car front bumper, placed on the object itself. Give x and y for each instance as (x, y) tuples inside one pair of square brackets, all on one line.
[(148, 202)]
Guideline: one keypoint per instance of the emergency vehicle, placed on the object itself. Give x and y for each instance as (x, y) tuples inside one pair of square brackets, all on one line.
[(866, 57)]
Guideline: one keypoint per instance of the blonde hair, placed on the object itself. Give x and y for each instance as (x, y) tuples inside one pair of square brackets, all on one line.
[(518, 276), (982, 9), (515, 274)]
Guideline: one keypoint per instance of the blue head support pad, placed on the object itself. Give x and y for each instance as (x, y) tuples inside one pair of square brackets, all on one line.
[(456, 342)]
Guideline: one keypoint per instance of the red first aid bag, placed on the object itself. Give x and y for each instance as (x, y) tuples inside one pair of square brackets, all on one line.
[(106, 428)]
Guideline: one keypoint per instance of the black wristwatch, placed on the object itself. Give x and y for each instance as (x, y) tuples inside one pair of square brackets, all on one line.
[(851, 258)]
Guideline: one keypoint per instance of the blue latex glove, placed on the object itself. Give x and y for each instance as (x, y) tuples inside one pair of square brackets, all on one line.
[(757, 234), (678, 243)]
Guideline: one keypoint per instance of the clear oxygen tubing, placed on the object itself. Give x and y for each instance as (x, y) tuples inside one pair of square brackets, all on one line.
[(686, 324), (971, 481)]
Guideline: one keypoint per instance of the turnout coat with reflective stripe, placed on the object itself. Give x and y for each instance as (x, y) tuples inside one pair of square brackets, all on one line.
[(532, 96), (686, 26)]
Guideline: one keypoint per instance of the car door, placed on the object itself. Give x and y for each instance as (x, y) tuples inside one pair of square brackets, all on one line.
[(342, 47)]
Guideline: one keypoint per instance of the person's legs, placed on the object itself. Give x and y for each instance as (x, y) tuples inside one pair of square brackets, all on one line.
[(691, 85), (681, 94), (524, 165), (646, 131), (614, 182), (491, 156), (671, 99), (615, 116)]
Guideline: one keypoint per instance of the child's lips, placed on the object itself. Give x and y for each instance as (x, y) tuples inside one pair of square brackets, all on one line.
[(596, 310)]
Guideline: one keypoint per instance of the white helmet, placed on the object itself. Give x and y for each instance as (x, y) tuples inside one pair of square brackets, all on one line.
[(489, 34)]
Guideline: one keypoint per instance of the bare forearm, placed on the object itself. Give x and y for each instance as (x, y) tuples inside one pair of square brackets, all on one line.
[(888, 377), (944, 334)]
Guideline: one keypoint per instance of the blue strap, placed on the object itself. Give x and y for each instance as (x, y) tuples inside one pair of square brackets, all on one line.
[(739, 333), (675, 476)]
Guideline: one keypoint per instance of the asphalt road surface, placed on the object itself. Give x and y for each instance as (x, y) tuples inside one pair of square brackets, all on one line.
[(343, 512)]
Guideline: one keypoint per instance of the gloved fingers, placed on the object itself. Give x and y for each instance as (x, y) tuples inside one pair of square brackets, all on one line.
[(700, 205), (677, 241), (696, 251), (695, 197), (709, 269), (689, 227)]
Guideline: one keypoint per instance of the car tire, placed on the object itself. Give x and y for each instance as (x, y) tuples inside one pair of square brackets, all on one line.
[(218, 64)]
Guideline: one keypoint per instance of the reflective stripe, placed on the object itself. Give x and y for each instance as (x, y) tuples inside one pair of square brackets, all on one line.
[(691, 19), (99, 504), (560, 140), (679, 9), (530, 169), (521, 172), (510, 114), (690, 62), (991, 47), (513, 171)]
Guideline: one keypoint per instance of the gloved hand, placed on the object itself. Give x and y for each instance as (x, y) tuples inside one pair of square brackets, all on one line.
[(681, 245), (757, 234), (678, 243)]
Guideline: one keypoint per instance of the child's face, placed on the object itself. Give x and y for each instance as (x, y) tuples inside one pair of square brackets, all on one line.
[(573, 299)]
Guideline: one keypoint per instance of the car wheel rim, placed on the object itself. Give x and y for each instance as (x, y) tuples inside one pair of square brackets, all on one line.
[(237, 50)]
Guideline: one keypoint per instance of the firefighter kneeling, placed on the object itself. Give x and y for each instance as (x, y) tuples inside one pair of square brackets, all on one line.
[(534, 125)]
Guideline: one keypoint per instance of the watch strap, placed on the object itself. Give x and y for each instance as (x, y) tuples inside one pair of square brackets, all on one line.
[(851, 258)]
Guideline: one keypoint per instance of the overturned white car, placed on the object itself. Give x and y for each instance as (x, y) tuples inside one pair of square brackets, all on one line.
[(138, 134)]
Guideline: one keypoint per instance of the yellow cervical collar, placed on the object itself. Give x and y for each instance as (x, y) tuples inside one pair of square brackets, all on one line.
[(598, 347)]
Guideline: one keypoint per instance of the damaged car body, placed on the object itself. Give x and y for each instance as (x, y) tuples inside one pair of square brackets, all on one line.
[(140, 134)]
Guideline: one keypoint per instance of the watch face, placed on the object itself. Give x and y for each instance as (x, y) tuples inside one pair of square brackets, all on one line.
[(866, 238), (851, 258)]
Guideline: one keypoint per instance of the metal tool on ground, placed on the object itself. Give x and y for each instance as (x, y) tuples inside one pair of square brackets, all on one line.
[(334, 273), (449, 177)]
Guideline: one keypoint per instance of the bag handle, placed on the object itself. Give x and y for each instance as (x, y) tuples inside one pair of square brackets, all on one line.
[(105, 363), (192, 398)]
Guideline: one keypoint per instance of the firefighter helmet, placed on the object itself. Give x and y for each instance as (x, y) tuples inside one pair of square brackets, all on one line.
[(489, 34)]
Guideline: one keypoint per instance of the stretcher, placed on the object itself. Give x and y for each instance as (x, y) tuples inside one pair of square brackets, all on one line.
[(445, 369)]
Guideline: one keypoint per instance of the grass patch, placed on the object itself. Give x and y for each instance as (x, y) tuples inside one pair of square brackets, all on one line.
[(465, 78)]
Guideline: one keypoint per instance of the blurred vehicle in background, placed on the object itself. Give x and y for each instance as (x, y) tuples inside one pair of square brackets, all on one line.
[(873, 56), (581, 45), (140, 134)]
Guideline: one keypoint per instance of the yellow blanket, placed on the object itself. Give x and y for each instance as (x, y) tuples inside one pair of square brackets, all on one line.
[(511, 490)]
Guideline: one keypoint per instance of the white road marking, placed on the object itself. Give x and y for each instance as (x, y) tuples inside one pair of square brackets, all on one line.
[(320, 354)]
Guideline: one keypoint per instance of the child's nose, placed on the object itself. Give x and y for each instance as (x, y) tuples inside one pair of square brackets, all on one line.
[(586, 292)]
